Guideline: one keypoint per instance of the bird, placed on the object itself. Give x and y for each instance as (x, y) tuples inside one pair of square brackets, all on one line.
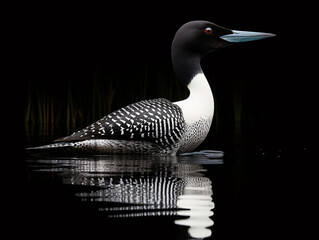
[(159, 126)]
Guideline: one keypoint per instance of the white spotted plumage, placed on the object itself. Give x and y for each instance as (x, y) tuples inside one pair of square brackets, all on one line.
[(151, 125)]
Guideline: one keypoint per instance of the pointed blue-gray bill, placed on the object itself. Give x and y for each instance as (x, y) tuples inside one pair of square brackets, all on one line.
[(245, 36)]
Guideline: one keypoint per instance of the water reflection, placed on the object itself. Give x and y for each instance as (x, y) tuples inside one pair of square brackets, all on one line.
[(139, 186)]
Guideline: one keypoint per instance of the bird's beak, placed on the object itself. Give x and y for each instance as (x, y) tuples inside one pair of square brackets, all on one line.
[(245, 36)]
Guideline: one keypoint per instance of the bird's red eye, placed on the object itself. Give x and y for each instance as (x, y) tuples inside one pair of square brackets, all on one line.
[(208, 30)]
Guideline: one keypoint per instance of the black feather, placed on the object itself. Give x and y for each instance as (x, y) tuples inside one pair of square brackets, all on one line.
[(157, 120)]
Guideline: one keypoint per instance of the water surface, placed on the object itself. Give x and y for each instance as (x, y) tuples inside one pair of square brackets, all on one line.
[(149, 197), (112, 187)]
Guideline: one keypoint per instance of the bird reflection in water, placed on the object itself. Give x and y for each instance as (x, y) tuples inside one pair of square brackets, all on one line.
[(140, 186)]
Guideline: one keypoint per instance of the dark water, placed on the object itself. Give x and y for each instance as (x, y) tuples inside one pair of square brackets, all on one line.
[(251, 195)]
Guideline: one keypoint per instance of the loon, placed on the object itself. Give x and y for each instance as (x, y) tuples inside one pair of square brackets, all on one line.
[(159, 126)]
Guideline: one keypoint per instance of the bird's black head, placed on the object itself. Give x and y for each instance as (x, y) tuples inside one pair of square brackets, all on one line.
[(196, 39), (199, 38)]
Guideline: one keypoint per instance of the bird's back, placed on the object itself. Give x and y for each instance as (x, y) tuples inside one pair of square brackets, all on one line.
[(156, 122)]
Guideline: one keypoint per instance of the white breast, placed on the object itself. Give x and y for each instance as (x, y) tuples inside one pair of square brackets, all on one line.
[(198, 111), (200, 103)]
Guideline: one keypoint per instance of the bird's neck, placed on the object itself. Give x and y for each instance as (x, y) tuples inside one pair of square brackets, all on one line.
[(200, 102), (186, 65)]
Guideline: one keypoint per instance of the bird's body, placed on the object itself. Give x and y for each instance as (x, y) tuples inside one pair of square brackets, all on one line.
[(155, 126), (159, 126)]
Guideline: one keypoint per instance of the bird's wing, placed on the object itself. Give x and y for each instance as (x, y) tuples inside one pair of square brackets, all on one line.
[(157, 120)]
